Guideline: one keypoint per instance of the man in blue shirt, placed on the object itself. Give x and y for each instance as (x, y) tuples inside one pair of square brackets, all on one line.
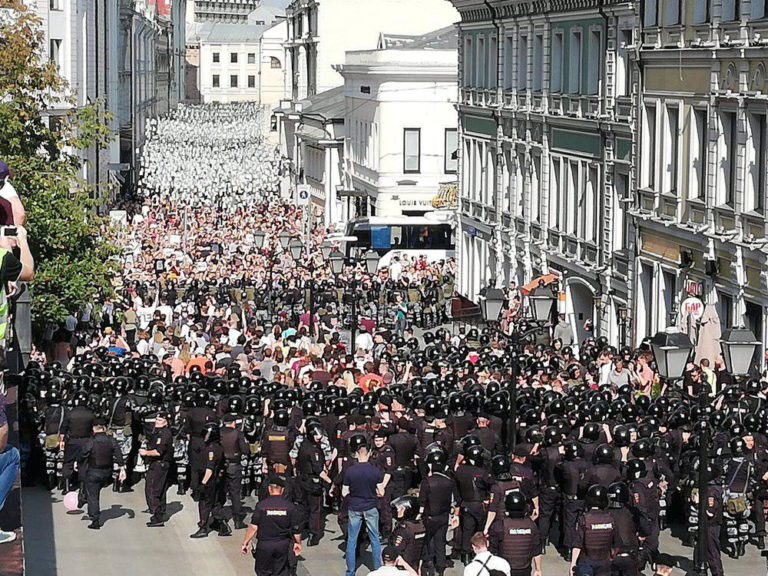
[(364, 484)]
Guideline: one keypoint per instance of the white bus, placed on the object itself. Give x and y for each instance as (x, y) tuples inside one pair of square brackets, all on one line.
[(400, 235)]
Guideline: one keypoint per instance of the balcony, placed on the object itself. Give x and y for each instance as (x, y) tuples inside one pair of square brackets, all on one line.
[(753, 226), (621, 264), (668, 206), (695, 213), (725, 219), (537, 233), (553, 240), (589, 253), (646, 201)]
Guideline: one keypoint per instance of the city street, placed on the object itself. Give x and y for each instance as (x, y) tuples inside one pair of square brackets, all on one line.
[(125, 545)]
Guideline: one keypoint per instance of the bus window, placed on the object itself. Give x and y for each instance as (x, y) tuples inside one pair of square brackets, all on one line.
[(380, 238), (397, 236)]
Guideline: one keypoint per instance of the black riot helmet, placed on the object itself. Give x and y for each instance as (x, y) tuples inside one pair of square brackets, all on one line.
[(500, 465), (436, 458), (597, 498), (235, 405), (618, 495), (405, 508), (643, 448), (282, 418), (356, 442), (474, 455), (211, 432), (591, 432), (636, 469), (738, 447), (572, 450), (516, 504), (603, 454)]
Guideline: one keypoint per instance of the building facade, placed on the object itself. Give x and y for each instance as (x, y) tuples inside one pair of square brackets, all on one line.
[(402, 138), (227, 11), (700, 196), (546, 136), (320, 33)]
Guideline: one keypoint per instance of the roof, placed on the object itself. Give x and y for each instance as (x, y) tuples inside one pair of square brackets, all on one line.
[(443, 39), (329, 104), (230, 33)]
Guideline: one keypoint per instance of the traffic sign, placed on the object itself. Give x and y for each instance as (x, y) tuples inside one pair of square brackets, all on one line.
[(303, 192)]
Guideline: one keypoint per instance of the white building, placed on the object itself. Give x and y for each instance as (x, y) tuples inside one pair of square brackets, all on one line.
[(401, 120), (319, 34), (241, 62)]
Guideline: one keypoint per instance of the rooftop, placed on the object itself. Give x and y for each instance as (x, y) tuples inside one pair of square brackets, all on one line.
[(443, 39)]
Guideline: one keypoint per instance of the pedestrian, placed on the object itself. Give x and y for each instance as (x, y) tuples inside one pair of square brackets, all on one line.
[(275, 526), (159, 455), (484, 563), (98, 458), (362, 486)]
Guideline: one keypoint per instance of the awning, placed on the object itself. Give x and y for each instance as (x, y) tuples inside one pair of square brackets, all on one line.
[(351, 194), (545, 280)]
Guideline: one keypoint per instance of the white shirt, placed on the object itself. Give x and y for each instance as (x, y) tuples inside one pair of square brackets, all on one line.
[(387, 571), (364, 341), (475, 568)]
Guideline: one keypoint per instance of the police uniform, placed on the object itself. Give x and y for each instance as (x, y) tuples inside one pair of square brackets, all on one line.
[(384, 459), (519, 544), (595, 537), (472, 485), (571, 472), (119, 426), (277, 521), (310, 463), (98, 458), (160, 439), (436, 497), (235, 448), (77, 428), (549, 493), (409, 537), (209, 501), (197, 418), (626, 544), (714, 523), (404, 444)]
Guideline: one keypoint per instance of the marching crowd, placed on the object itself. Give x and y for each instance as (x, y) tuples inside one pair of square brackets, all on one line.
[(208, 370)]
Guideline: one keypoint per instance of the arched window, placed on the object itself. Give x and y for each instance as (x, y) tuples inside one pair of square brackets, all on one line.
[(275, 62)]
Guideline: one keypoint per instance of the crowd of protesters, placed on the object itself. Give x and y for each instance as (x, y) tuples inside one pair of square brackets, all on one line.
[(204, 371)]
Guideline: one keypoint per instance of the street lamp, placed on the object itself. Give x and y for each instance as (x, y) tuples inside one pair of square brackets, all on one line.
[(540, 304), (671, 351), (371, 259), (337, 261), (739, 345), (325, 250), (258, 239), (491, 304), (296, 247), (284, 238)]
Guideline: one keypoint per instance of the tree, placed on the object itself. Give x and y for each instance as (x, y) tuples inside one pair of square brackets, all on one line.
[(67, 237)]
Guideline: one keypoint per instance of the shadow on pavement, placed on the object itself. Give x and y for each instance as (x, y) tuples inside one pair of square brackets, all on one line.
[(39, 540), (116, 511)]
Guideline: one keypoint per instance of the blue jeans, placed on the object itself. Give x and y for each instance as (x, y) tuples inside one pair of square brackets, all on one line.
[(9, 469), (371, 518)]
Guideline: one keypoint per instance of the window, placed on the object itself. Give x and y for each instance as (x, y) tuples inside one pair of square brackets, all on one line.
[(233, 57), (216, 57), (624, 80), (673, 144), (251, 81), (589, 230), (251, 58), (467, 62), (618, 214), (728, 10), (555, 195), (274, 62), (572, 196), (698, 154), (650, 146), (725, 310), (758, 9), (412, 150), (701, 11), (233, 81), (535, 189), (56, 5), (595, 57), (480, 68), (672, 12), (54, 51), (651, 16), (756, 162), (728, 157), (509, 61), (522, 63), (556, 82), (215, 82), (493, 69), (574, 65), (451, 150), (538, 62), (519, 184)]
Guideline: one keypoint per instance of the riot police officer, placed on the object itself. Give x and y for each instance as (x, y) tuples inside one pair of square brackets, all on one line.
[(595, 536), (208, 501), (472, 485), (197, 418), (159, 455), (627, 543), (275, 525), (408, 535), (312, 479), (76, 430), (235, 448), (519, 539), (100, 454), (437, 497)]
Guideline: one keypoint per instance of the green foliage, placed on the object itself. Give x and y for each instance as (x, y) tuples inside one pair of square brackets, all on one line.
[(67, 237)]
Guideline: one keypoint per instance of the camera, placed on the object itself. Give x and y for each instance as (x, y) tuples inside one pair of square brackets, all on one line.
[(9, 231)]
